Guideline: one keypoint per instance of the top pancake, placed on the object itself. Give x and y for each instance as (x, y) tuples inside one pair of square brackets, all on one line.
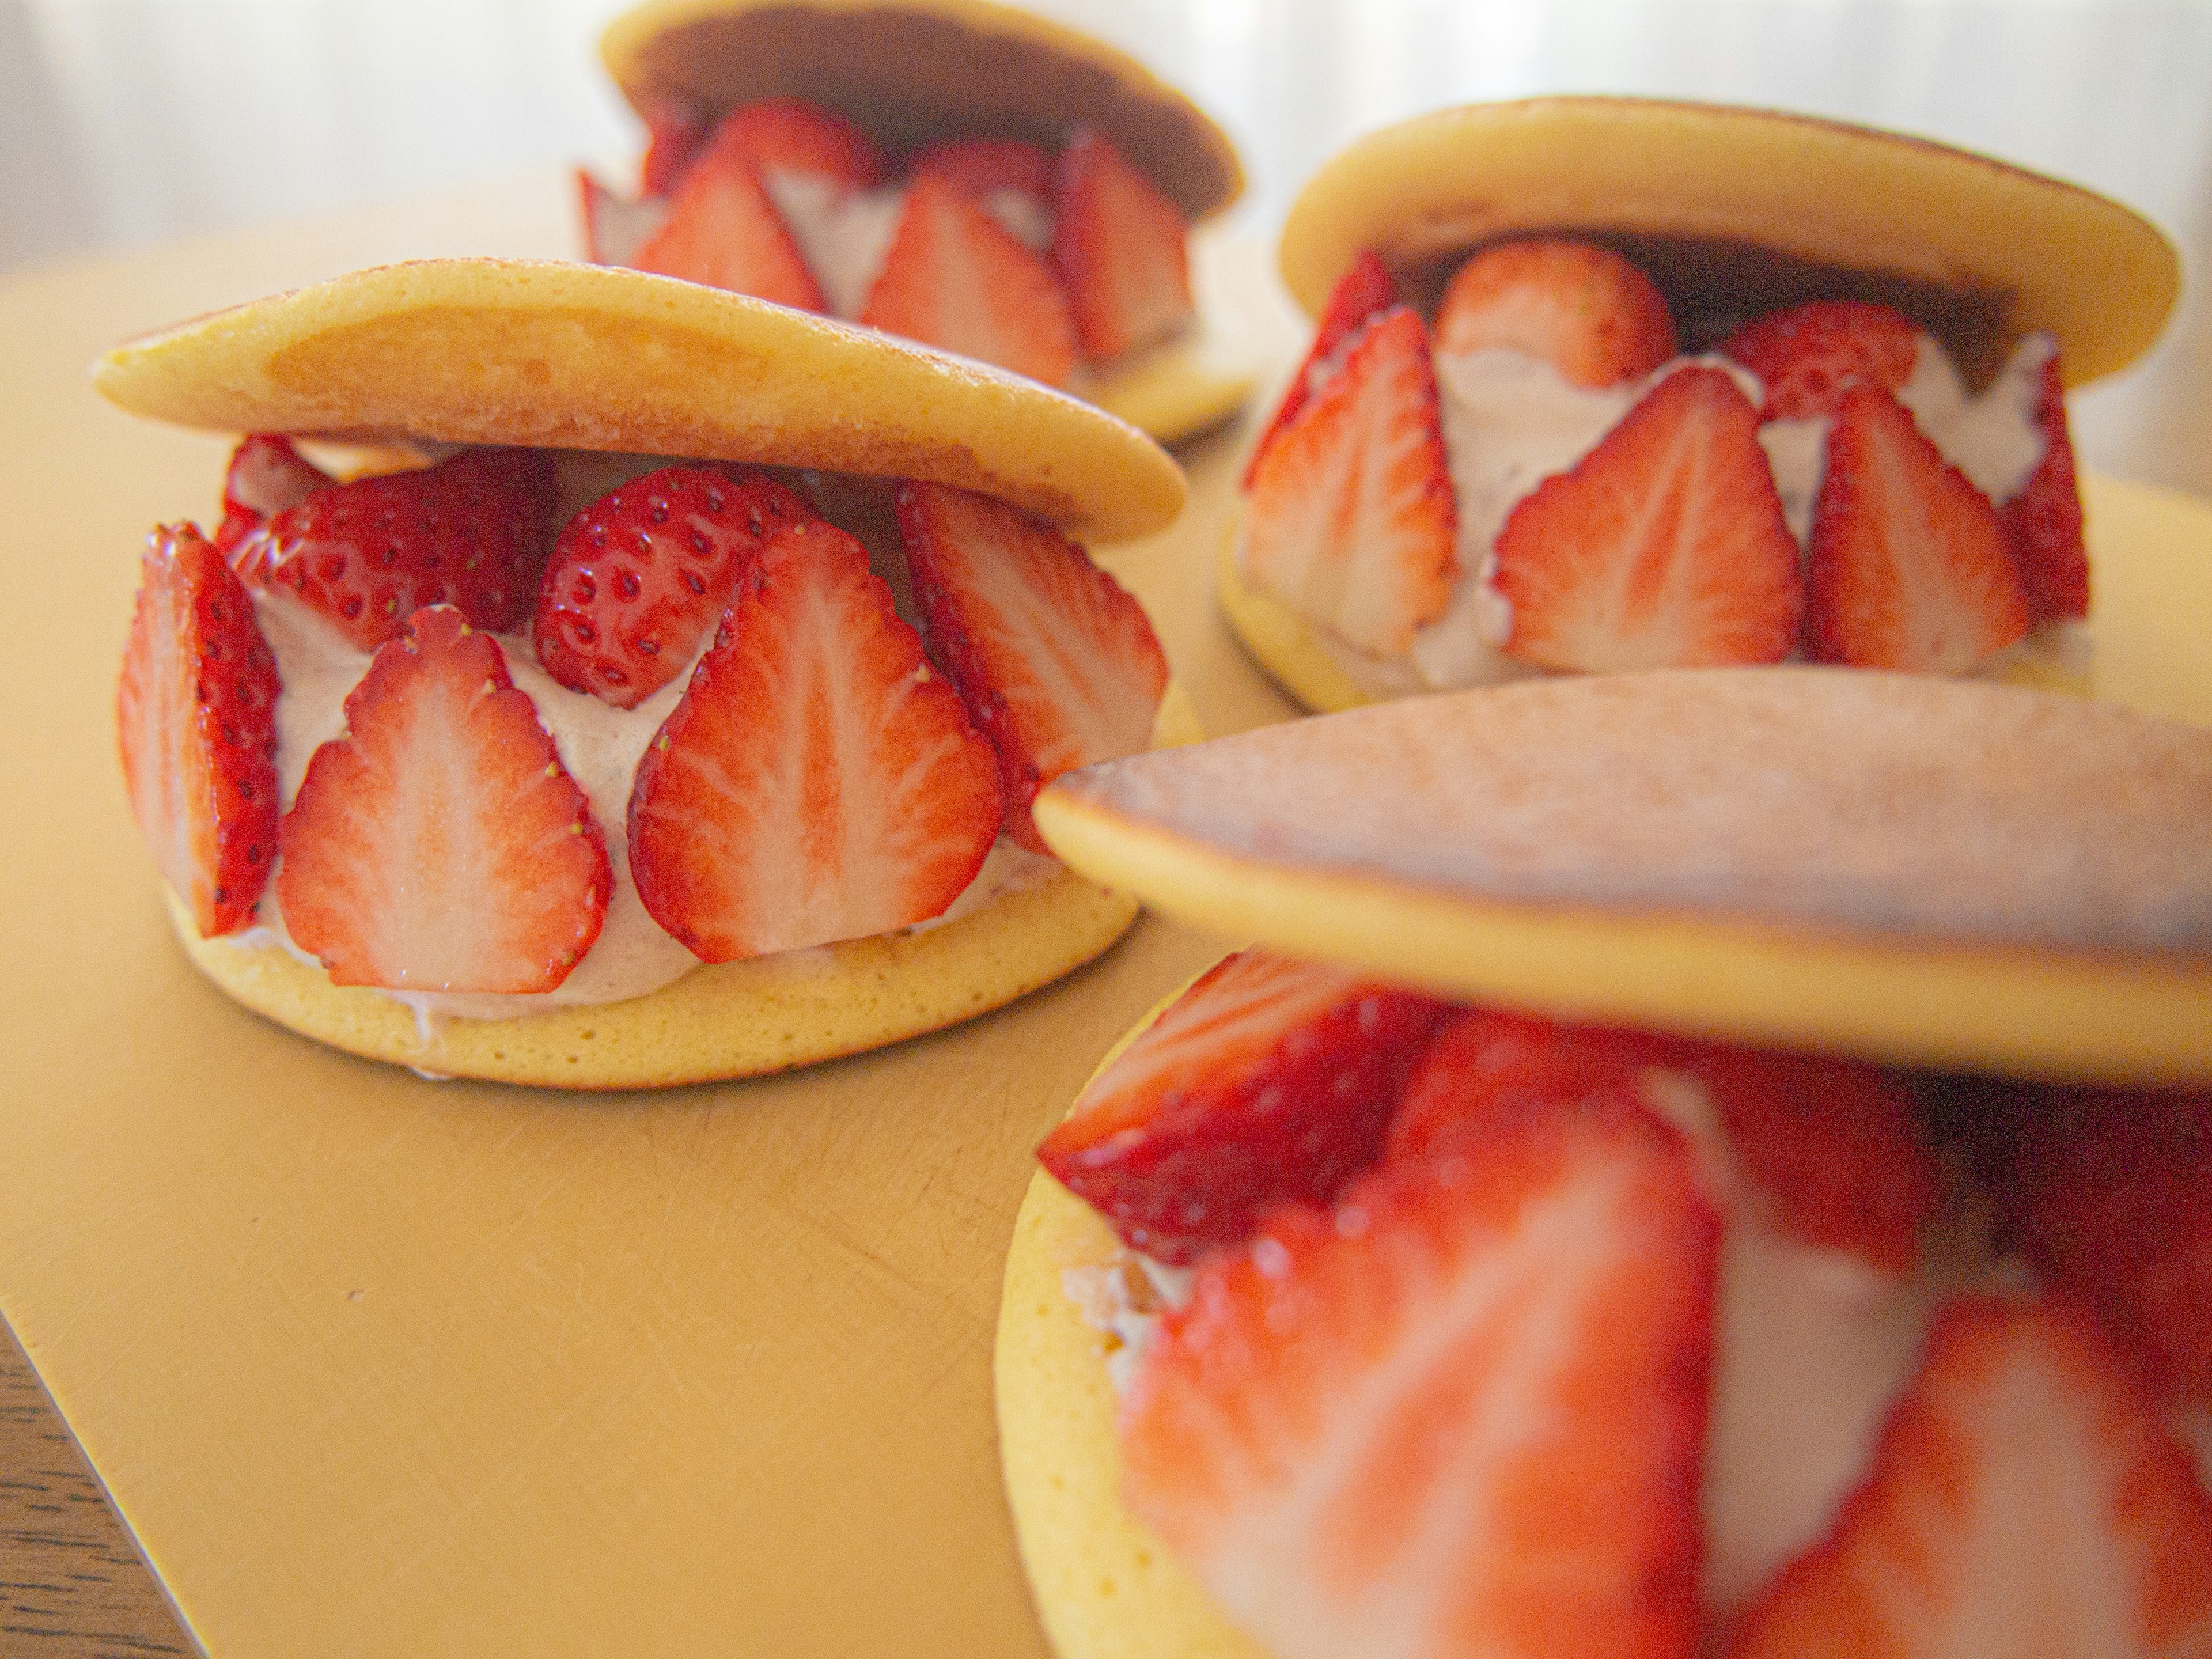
[(929, 68), (573, 356), (1737, 211), (1917, 870)]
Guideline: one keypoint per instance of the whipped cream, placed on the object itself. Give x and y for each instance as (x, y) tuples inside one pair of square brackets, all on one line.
[(599, 744), (1511, 421), (844, 234)]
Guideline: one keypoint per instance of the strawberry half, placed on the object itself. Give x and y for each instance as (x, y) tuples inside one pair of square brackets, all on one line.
[(1462, 1414), (2022, 1500), (1829, 1144), (2042, 524), (440, 845), (1349, 517), (1119, 245), (470, 533), (2105, 1193), (1664, 547), (1808, 355), (673, 133), (1269, 1080), (1056, 663), (1580, 308), (1362, 291), (989, 171), (639, 579), (1908, 569), (955, 278), (265, 476), (722, 230), (795, 137), (817, 782), (196, 719)]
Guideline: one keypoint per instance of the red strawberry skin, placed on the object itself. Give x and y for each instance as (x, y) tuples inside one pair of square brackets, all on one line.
[(1056, 663), (440, 845), (1364, 289), (266, 475), (1908, 569), (1578, 306), (1119, 246), (2022, 1500), (470, 533), (1664, 547), (2043, 523), (817, 781), (1462, 1412), (1350, 518), (1268, 1081), (195, 720), (722, 230), (797, 137), (640, 578), (1809, 356), (955, 278)]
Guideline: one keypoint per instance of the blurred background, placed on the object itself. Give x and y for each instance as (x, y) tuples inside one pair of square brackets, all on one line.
[(124, 123)]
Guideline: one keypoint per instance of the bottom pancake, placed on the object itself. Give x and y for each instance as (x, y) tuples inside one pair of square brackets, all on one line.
[(1174, 391)]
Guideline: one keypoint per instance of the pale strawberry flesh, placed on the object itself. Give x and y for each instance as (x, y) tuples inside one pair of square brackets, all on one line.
[(1580, 308), (1119, 246), (1056, 663), (722, 230), (440, 844), (266, 475), (1462, 1412), (1807, 356), (196, 721), (1364, 289), (1349, 517), (954, 277), (1267, 1081), (2023, 1501), (817, 781), (1663, 547), (640, 578), (471, 532), (1907, 567), (2042, 522)]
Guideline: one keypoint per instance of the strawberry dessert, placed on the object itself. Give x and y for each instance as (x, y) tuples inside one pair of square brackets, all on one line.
[(1535, 477), (1439, 1330), (1053, 262), (489, 736)]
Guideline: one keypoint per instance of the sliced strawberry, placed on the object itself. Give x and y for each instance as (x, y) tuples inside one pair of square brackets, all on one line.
[(440, 845), (2022, 1500), (267, 475), (1362, 291), (1118, 244), (794, 135), (1269, 1080), (817, 782), (639, 578), (1808, 355), (722, 230), (955, 278), (1462, 1414), (1056, 663), (1580, 308), (1830, 1145), (2105, 1191), (1350, 518), (1908, 569), (673, 133), (196, 719), (2042, 524), (470, 533), (980, 167), (1664, 547), (615, 229)]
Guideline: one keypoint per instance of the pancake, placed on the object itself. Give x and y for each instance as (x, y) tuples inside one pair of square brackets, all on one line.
[(1796, 857), (939, 68), (591, 358)]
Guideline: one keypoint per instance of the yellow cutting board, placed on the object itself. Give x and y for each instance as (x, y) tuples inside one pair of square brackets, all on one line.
[(375, 1365)]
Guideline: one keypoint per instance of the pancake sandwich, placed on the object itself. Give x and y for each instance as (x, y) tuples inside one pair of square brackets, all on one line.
[(957, 172), (1605, 384), (1625, 1203), (668, 704)]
